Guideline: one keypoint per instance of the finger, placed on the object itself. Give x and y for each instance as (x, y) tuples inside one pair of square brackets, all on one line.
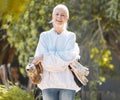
[(37, 62)]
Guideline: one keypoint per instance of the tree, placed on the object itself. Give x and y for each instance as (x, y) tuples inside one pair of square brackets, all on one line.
[(10, 11)]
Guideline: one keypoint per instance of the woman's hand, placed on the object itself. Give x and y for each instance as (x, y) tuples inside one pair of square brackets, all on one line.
[(38, 60)]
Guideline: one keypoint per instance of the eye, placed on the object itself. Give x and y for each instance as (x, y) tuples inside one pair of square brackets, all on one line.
[(62, 15), (57, 14)]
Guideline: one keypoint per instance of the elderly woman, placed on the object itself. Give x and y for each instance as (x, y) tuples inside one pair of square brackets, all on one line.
[(56, 49)]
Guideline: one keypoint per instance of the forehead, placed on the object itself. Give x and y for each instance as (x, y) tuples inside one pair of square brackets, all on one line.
[(60, 10)]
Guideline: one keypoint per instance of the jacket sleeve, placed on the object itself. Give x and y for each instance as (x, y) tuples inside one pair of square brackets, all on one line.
[(71, 51), (41, 47)]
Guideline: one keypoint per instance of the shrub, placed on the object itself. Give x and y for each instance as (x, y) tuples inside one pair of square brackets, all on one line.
[(14, 93)]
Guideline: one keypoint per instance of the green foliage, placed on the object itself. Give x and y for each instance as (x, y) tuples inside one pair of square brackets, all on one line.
[(11, 8), (102, 57), (114, 9), (14, 93), (93, 88)]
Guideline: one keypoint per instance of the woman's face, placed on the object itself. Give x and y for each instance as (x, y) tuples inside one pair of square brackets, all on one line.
[(59, 17)]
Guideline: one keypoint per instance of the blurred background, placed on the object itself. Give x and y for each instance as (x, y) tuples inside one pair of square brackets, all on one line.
[(96, 24)]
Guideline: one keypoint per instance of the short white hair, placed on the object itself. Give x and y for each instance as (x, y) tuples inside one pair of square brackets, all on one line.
[(61, 6)]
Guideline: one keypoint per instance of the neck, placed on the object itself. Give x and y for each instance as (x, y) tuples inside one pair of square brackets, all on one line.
[(58, 30)]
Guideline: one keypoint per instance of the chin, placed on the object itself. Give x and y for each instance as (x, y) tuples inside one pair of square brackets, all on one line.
[(59, 25)]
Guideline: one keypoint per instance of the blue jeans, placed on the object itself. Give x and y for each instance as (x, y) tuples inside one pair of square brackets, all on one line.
[(58, 94)]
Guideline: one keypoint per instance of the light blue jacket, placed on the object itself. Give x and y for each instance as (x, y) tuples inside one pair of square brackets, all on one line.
[(58, 51)]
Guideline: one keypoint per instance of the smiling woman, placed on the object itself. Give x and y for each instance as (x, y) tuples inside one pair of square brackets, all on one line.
[(56, 49), (60, 17)]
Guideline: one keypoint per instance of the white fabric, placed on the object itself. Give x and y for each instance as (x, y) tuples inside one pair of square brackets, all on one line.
[(58, 51)]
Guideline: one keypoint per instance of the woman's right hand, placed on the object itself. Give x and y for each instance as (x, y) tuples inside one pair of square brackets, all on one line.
[(37, 60)]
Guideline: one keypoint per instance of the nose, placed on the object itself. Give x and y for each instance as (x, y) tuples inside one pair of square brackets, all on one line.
[(27, 68)]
